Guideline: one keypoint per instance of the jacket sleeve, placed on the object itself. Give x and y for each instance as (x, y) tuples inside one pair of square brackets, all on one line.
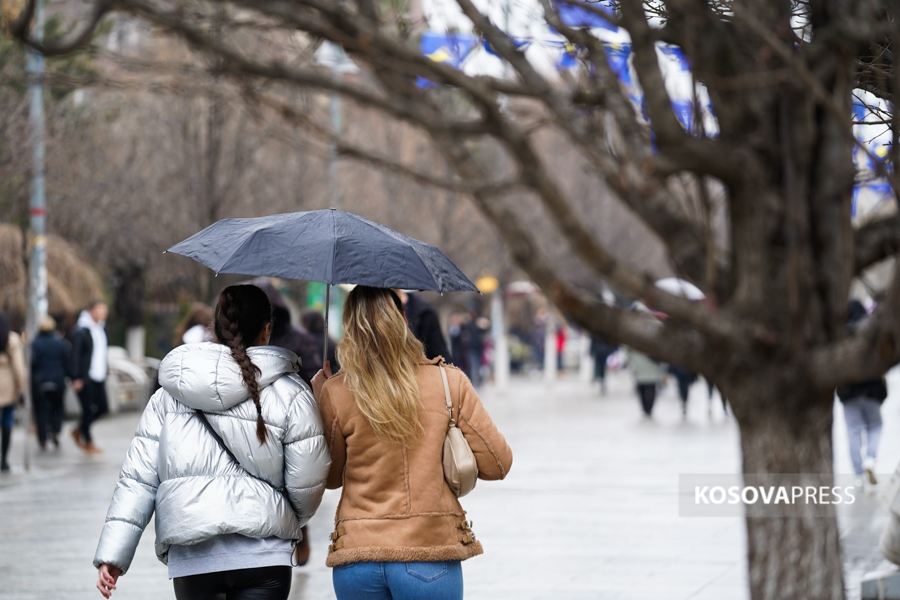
[(306, 458), (492, 453), (335, 438), (134, 498)]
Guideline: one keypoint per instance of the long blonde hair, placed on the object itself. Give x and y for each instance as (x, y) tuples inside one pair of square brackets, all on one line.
[(379, 356)]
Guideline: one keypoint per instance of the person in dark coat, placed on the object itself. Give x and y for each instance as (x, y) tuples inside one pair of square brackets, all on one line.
[(88, 368), (458, 342), (474, 333), (425, 325), (600, 351), (862, 409), (684, 378), (289, 336), (314, 323), (49, 365)]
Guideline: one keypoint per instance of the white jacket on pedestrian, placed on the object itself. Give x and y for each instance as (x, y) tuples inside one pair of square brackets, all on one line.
[(175, 467)]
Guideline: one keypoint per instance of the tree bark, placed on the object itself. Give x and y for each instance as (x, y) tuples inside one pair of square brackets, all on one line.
[(786, 428)]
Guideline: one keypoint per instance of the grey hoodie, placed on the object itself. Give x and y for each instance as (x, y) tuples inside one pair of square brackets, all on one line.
[(175, 467)]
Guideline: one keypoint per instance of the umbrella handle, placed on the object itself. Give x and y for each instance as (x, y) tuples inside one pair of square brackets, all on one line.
[(327, 305)]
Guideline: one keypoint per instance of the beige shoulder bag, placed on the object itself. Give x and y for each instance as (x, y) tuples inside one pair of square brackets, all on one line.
[(460, 468)]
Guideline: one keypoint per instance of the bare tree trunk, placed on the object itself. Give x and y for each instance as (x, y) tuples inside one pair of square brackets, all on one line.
[(787, 429)]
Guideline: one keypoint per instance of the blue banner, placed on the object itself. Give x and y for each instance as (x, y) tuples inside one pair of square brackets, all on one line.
[(448, 48), (520, 43), (574, 16)]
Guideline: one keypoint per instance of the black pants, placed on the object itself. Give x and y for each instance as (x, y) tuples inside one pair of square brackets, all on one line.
[(48, 411), (600, 367), (93, 404), (647, 392), (263, 583)]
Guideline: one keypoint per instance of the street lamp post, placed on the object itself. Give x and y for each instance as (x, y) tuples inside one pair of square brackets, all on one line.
[(37, 283)]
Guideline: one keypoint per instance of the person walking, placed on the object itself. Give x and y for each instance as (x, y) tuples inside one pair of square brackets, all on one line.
[(12, 384), (600, 351), (49, 362), (88, 370), (459, 341), (314, 323), (862, 410), (648, 375), (289, 336), (230, 454), (684, 378), (400, 532), (425, 325)]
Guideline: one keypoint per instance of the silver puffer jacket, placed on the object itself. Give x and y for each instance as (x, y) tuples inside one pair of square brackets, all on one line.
[(175, 467)]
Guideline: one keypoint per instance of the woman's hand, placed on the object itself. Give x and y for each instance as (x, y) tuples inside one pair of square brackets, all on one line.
[(107, 578), (319, 380)]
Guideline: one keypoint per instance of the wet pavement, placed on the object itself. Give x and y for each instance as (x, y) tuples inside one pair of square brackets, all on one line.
[(589, 510)]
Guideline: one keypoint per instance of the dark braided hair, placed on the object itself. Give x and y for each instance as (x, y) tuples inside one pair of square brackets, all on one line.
[(241, 315)]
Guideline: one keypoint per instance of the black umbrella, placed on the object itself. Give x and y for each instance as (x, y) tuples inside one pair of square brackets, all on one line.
[(328, 246)]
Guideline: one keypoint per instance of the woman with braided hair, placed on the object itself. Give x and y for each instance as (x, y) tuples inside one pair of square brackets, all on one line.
[(230, 454)]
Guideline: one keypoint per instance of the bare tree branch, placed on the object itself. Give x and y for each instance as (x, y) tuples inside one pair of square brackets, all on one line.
[(876, 241), (20, 29)]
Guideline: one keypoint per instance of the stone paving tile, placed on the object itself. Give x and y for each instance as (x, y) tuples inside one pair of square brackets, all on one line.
[(589, 510)]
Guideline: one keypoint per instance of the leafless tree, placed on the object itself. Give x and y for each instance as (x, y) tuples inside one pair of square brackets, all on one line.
[(772, 335)]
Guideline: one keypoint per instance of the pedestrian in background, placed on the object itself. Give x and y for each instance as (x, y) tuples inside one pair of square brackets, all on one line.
[(289, 336), (600, 351), (230, 454), (13, 380), (88, 370), (196, 326), (458, 342), (684, 378), (648, 375), (475, 332), (425, 325), (314, 323), (538, 336), (400, 532), (560, 347), (862, 409), (49, 365)]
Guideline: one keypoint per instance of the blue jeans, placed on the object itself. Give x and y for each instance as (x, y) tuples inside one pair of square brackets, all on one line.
[(441, 580), (8, 416), (862, 413)]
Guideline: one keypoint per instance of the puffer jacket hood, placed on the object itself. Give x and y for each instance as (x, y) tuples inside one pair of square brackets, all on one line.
[(205, 377)]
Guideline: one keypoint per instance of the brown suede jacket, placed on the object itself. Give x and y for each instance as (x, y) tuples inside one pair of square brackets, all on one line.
[(395, 504)]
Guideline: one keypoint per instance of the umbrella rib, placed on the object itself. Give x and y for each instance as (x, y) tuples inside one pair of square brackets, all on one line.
[(334, 246)]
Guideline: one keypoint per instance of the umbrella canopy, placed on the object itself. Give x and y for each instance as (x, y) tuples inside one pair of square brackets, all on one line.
[(328, 246)]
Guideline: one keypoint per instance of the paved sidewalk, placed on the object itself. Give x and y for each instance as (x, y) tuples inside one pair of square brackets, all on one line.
[(589, 509)]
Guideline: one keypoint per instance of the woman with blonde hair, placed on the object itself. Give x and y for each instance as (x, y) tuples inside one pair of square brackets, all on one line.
[(400, 532)]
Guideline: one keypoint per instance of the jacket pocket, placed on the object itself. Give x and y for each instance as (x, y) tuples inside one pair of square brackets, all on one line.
[(427, 571)]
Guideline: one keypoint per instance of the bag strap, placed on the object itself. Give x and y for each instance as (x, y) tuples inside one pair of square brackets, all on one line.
[(447, 395), (202, 416)]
